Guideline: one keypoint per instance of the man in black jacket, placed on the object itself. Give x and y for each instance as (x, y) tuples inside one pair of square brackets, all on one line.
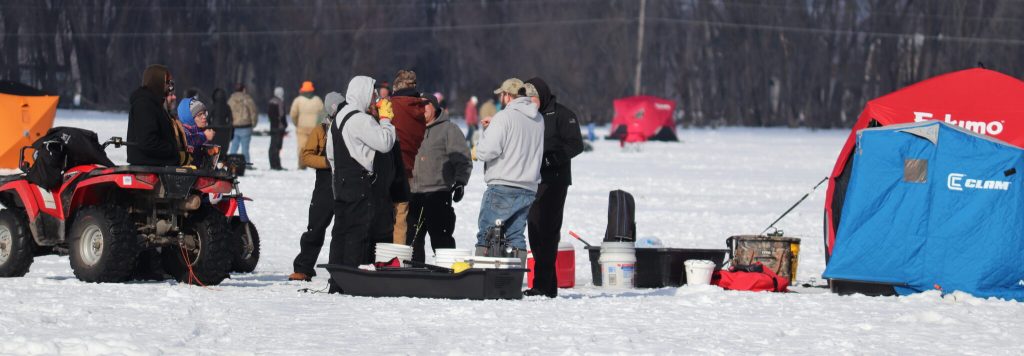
[(562, 142), (150, 128), (278, 127)]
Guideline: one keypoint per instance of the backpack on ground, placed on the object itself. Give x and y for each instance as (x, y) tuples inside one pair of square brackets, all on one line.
[(621, 217), (755, 278)]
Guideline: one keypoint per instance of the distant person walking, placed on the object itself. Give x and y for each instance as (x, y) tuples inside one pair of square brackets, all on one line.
[(245, 115), (410, 125), (321, 205), (221, 121), (278, 128), (306, 113), (472, 118), (442, 170), (562, 142), (487, 110), (511, 147)]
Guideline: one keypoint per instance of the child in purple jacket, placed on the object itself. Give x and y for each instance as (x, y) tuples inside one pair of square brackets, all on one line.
[(193, 116)]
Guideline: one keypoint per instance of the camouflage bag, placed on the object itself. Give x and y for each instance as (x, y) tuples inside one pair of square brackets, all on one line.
[(777, 253)]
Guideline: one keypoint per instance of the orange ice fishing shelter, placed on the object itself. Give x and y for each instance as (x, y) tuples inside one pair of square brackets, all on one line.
[(26, 114)]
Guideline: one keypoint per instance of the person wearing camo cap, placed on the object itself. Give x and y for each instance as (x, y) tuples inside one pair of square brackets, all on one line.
[(511, 147)]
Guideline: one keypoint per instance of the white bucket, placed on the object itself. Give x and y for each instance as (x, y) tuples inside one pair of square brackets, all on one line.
[(446, 257), (494, 262), (452, 252), (384, 252), (618, 264), (698, 272), (447, 262)]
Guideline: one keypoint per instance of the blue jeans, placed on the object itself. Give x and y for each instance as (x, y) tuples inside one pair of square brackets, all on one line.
[(511, 205), (241, 140)]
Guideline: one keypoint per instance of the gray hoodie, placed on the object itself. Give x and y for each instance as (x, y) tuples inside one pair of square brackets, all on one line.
[(512, 146), (363, 135), (443, 158)]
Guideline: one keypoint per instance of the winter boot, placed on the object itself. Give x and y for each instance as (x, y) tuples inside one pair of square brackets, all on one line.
[(299, 276), (522, 256), (480, 251)]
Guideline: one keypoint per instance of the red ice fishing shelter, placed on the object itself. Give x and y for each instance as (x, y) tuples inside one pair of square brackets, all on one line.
[(644, 118), (980, 100)]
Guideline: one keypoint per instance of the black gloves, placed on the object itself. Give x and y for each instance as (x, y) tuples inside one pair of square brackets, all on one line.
[(458, 190)]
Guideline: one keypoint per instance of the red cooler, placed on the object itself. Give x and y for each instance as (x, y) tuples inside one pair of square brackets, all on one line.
[(565, 266)]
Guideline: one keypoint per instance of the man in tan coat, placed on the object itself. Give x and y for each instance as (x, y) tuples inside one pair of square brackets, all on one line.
[(306, 112), (245, 116)]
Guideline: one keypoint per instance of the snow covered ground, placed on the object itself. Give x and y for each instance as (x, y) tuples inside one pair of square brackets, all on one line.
[(695, 193)]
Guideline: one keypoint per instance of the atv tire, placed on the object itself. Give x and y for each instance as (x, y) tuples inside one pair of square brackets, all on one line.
[(246, 246), (103, 244), (16, 245), (207, 245)]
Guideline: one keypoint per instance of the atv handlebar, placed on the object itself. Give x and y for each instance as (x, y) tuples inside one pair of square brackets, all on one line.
[(117, 142), (22, 165)]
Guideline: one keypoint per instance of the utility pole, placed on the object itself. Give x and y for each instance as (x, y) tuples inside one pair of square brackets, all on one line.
[(640, 48)]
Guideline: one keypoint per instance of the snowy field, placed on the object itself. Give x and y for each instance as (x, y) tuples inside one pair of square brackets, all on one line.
[(695, 193)]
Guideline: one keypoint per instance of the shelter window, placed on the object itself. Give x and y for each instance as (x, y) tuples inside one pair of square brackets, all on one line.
[(915, 170)]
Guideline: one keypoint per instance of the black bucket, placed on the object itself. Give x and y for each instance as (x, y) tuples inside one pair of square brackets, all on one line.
[(423, 283), (660, 267)]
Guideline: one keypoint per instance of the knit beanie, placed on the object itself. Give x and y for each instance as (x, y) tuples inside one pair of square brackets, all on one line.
[(332, 102), (405, 79), (196, 107)]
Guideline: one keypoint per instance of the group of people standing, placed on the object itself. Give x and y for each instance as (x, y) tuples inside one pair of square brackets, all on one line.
[(390, 164)]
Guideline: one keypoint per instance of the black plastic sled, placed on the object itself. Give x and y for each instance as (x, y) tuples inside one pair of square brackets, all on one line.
[(660, 267), (476, 284)]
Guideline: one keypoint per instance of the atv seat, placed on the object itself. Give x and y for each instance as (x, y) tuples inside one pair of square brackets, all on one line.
[(213, 173), (4, 179)]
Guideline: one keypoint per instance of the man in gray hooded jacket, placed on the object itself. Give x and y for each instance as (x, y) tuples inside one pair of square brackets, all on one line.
[(438, 178), (358, 147), (512, 148)]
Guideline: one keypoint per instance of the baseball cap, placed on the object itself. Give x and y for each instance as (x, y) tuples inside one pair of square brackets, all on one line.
[(510, 85)]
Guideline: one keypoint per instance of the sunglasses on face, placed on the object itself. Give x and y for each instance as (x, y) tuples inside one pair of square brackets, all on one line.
[(170, 86)]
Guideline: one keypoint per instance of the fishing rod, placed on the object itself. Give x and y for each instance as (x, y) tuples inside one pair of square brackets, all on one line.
[(794, 205)]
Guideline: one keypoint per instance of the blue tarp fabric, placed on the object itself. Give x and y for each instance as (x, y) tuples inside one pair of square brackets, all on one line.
[(932, 206)]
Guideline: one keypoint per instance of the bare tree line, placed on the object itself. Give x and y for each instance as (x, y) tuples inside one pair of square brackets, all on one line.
[(810, 63)]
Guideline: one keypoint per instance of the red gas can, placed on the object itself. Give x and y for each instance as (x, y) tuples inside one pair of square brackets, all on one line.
[(565, 266)]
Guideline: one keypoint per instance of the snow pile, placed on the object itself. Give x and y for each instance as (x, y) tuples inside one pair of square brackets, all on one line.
[(714, 184)]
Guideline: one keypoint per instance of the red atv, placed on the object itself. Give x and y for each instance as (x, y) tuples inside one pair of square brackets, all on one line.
[(117, 222)]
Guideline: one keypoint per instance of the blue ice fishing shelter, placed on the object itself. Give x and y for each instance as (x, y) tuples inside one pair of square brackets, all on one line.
[(933, 206)]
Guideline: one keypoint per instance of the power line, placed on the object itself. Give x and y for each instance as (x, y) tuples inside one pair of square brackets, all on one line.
[(521, 24), (779, 28)]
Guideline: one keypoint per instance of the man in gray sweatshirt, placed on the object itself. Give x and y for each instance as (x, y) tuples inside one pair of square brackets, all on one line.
[(512, 148)]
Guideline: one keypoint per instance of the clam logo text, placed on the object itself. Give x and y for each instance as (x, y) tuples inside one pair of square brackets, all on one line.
[(959, 181), (990, 128)]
